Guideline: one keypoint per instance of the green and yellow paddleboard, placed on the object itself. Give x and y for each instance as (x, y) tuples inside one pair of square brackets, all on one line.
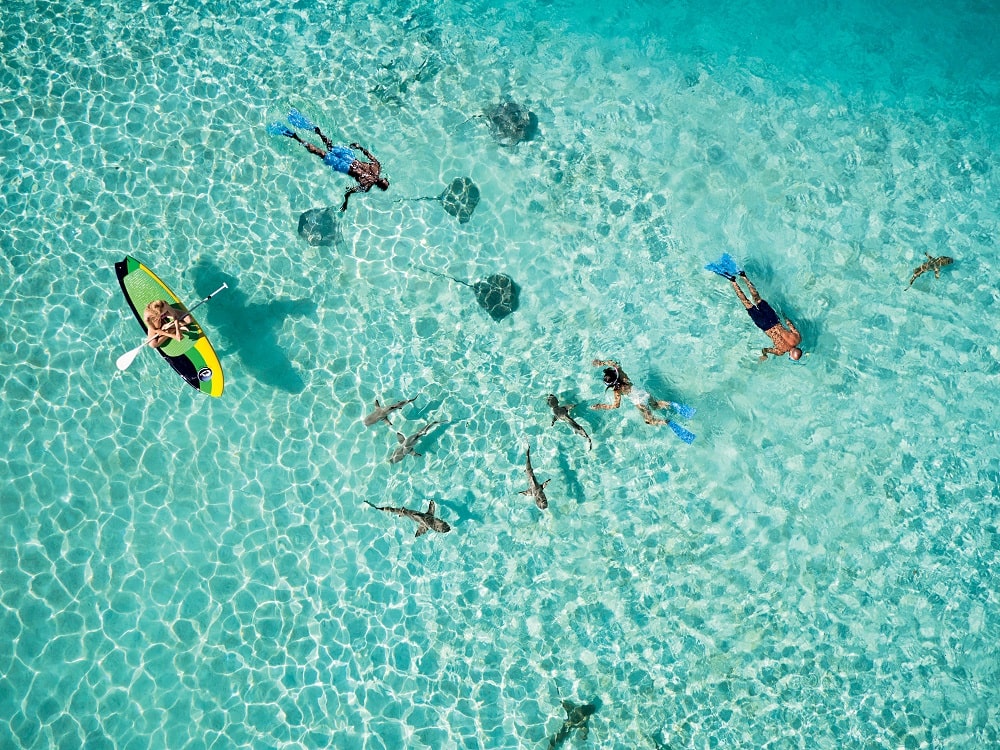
[(192, 357)]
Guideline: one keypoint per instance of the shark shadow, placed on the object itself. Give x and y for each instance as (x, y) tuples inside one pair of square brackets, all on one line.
[(250, 330)]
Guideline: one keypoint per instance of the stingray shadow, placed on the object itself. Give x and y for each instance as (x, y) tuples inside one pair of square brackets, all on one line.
[(250, 330)]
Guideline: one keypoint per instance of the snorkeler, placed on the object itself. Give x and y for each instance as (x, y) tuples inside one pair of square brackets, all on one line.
[(786, 337), (616, 379), (339, 158)]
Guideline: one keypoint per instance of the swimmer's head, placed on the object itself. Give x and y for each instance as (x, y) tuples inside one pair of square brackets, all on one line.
[(795, 353), (611, 377), (382, 183)]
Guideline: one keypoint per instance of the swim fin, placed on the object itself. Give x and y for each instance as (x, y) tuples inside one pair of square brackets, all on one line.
[(686, 435), (276, 128), (683, 409), (724, 266), (299, 120)]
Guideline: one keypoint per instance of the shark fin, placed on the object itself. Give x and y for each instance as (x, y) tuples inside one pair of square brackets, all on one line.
[(400, 436), (430, 508), (421, 530)]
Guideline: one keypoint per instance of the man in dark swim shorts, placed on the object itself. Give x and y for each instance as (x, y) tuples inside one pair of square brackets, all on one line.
[(786, 339)]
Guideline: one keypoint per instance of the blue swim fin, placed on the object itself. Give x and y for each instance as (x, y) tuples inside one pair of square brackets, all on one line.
[(683, 409), (276, 128), (724, 266), (686, 435), (299, 120)]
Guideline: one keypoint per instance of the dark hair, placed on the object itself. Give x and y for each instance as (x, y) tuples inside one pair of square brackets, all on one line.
[(383, 183), (611, 377)]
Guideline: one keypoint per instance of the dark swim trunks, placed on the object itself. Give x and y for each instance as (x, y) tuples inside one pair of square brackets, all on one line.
[(763, 316)]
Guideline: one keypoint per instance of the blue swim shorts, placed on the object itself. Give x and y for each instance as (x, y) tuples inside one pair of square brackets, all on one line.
[(340, 158)]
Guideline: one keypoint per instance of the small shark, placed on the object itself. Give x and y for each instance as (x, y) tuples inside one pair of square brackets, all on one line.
[(425, 521), (536, 490), (381, 413), (577, 718), (931, 264), (406, 443), (562, 412)]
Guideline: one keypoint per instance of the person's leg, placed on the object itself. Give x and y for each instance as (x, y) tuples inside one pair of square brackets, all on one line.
[(740, 294), (326, 141), (753, 291), (648, 415)]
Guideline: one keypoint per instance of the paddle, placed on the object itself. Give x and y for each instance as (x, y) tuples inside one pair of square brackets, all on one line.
[(128, 357)]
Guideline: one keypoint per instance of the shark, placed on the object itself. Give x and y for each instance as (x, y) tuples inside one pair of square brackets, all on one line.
[(931, 264), (406, 443), (577, 718), (535, 490), (425, 521), (381, 413), (562, 413)]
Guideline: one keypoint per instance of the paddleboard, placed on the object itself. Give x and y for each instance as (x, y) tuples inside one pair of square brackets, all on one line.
[(193, 357)]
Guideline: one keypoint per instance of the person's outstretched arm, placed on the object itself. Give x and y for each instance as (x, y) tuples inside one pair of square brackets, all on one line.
[(355, 189), (368, 155), (617, 402)]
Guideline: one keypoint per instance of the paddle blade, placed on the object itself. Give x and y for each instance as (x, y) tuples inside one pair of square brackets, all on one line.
[(129, 357)]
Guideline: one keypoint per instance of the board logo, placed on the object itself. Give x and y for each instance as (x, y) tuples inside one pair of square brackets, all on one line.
[(205, 373)]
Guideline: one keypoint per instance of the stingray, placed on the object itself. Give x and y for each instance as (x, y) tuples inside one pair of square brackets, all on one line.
[(496, 294), (577, 718), (459, 199), (318, 226), (511, 122)]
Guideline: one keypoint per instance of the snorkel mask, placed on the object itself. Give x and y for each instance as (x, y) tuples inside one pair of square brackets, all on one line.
[(612, 377)]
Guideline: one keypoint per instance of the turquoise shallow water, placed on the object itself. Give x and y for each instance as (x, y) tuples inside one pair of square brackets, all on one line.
[(818, 570)]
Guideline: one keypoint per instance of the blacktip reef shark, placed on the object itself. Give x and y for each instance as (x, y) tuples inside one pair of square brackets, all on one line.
[(425, 521), (577, 718), (536, 490), (562, 413), (381, 413), (931, 264), (406, 444)]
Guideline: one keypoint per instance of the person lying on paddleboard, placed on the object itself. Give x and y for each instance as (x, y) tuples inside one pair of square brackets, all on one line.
[(164, 322), (339, 158)]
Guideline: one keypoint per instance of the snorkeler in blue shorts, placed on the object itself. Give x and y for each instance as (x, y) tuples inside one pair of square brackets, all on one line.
[(339, 158)]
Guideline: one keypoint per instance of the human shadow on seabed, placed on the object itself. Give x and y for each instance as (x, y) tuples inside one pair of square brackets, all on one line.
[(250, 329)]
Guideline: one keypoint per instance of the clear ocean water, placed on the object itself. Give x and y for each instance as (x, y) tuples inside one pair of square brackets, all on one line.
[(817, 570)]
